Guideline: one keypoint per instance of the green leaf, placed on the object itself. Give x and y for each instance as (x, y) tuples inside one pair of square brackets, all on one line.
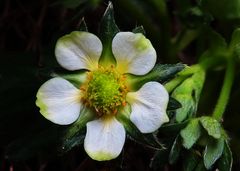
[(160, 73), (222, 10), (191, 133), (175, 150), (216, 48), (190, 161), (188, 94), (74, 135), (213, 152), (234, 45), (226, 160), (139, 29), (187, 109), (212, 126), (194, 17), (173, 104), (150, 140), (217, 42)]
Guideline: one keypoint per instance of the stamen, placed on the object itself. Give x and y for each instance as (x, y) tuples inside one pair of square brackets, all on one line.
[(104, 91)]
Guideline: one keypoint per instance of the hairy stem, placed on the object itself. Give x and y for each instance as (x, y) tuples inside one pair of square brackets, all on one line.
[(225, 91)]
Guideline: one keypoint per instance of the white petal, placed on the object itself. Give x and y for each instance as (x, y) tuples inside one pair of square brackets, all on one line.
[(149, 106), (59, 101), (134, 53), (78, 50), (104, 139)]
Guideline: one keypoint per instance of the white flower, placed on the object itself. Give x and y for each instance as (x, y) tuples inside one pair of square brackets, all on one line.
[(105, 90)]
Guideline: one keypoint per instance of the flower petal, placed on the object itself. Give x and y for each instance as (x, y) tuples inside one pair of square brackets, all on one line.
[(59, 101), (104, 139), (134, 53), (149, 106), (78, 50)]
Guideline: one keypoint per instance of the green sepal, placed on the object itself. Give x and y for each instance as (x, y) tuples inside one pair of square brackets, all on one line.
[(191, 133), (213, 152), (212, 126), (77, 78), (83, 25), (74, 135), (175, 150), (160, 73), (225, 161), (172, 128), (191, 161), (139, 29), (149, 140), (108, 29), (173, 104)]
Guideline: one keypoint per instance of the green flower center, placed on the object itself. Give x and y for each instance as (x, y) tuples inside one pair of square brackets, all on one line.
[(105, 91)]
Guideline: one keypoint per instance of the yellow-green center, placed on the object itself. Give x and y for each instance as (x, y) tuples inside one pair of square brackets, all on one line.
[(105, 91)]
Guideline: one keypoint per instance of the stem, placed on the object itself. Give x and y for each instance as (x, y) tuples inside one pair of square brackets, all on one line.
[(170, 86), (225, 91)]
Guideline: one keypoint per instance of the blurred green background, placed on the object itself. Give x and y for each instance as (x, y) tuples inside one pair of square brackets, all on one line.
[(178, 31)]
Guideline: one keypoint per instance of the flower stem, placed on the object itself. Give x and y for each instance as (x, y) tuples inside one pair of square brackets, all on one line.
[(170, 86), (225, 91)]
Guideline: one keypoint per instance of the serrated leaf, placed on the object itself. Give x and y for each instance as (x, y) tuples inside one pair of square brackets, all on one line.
[(139, 29), (191, 133), (160, 73), (175, 150), (75, 134), (173, 104), (212, 126), (187, 109), (226, 160), (213, 152), (234, 45), (190, 161), (150, 140), (188, 94)]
